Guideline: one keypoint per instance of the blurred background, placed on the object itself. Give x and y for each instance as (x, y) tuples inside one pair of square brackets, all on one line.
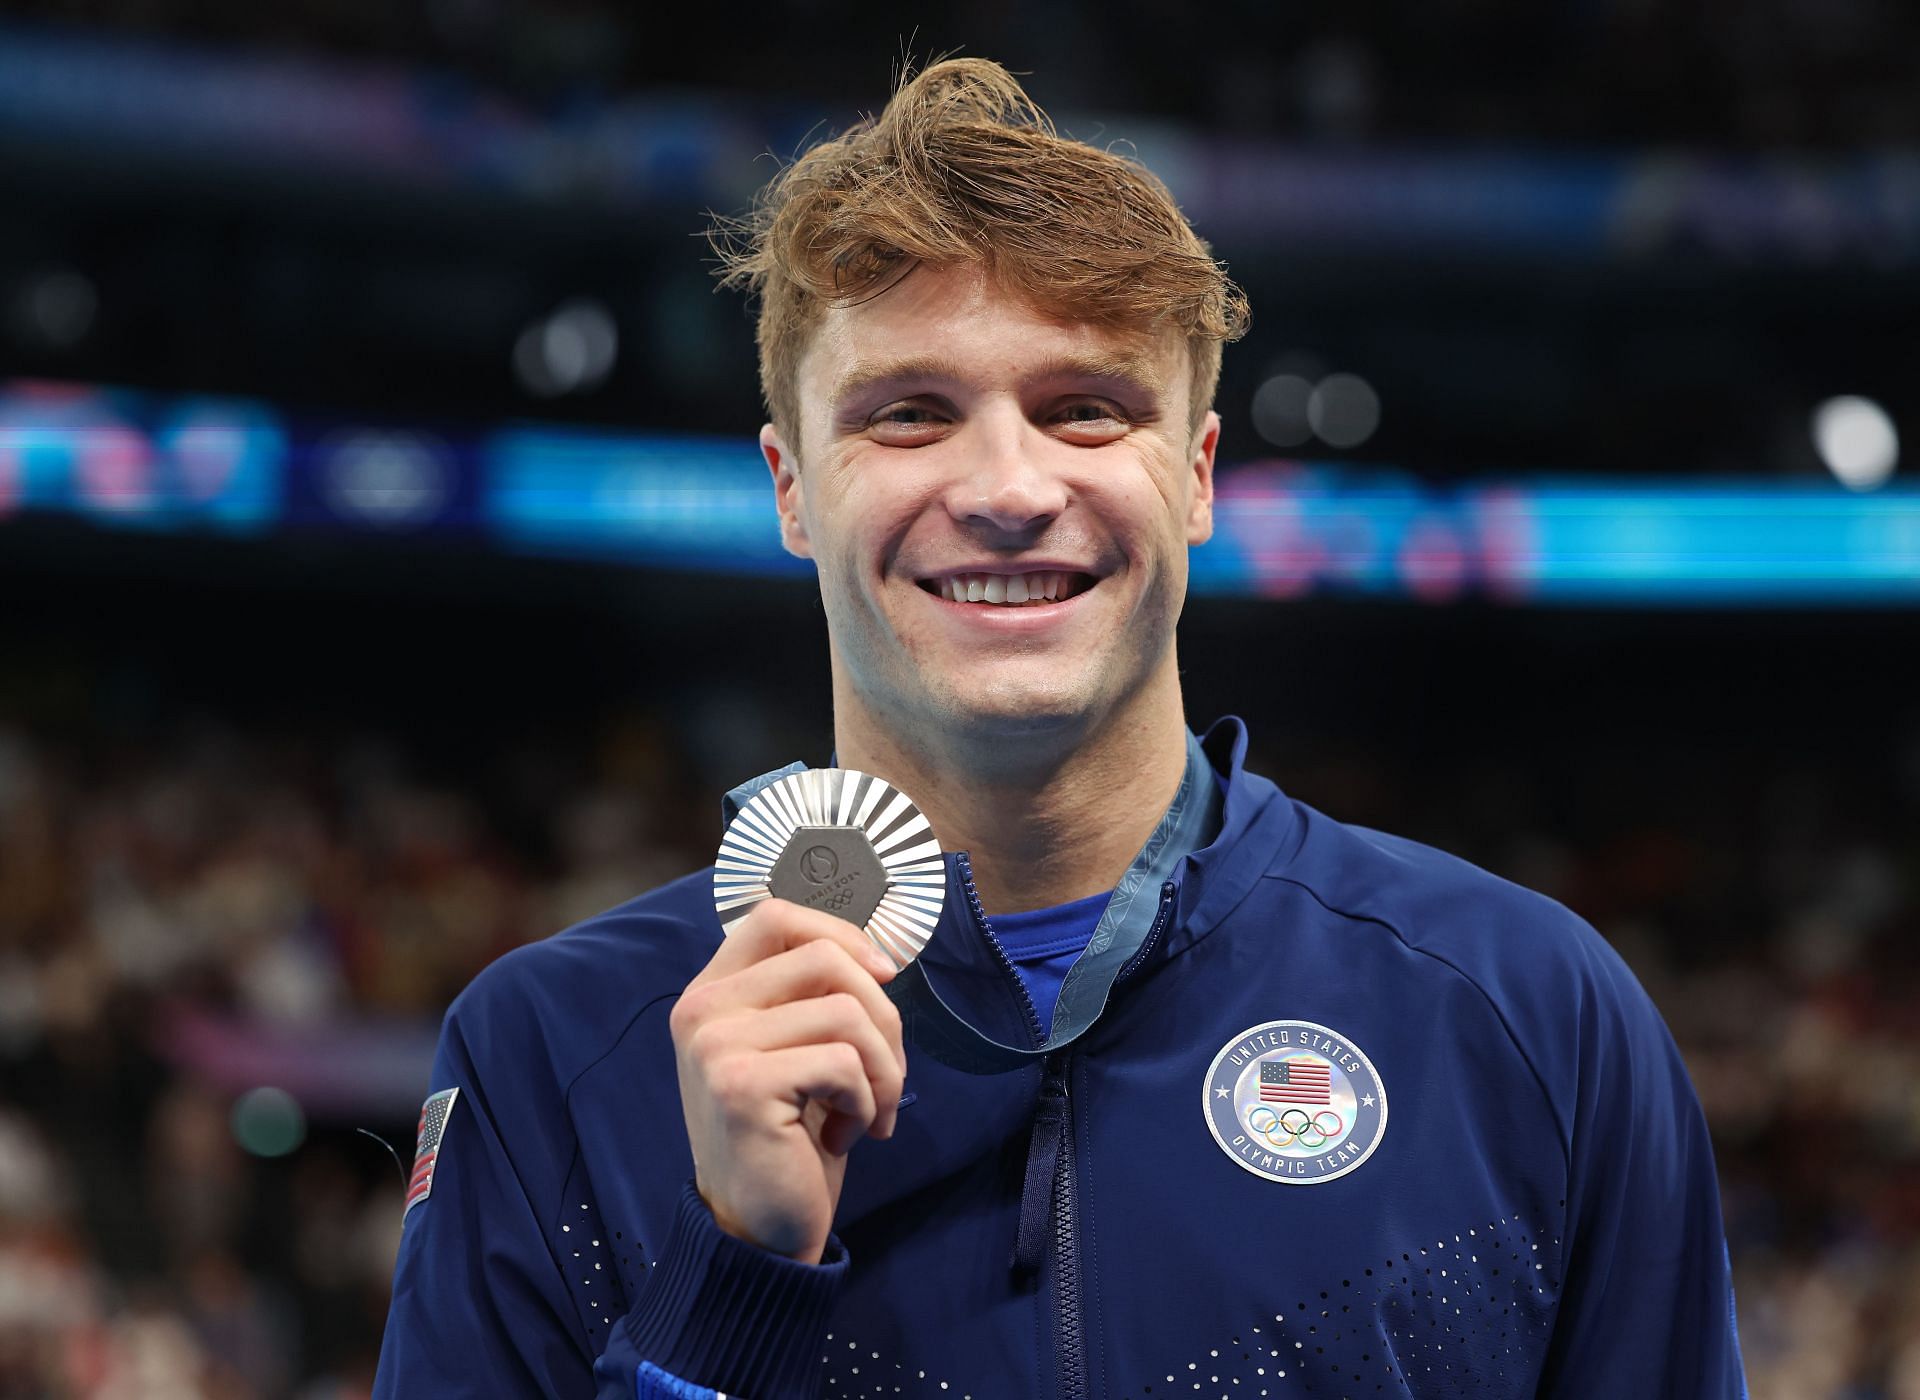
[(380, 519)]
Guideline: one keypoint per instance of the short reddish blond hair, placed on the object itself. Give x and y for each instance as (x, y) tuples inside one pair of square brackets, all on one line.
[(962, 167)]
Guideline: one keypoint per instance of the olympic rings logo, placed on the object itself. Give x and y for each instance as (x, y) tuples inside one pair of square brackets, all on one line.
[(1294, 1125)]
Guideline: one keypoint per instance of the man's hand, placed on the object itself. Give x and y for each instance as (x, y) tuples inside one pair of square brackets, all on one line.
[(788, 1053)]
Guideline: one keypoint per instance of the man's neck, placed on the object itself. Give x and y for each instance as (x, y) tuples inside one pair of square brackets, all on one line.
[(1052, 828)]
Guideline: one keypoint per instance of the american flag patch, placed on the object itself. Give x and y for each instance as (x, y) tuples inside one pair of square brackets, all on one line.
[(426, 1148), (1295, 1081)]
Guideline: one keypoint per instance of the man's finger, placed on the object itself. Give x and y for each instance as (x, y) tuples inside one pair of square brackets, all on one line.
[(775, 926), (816, 968), (831, 1074), (839, 1016)]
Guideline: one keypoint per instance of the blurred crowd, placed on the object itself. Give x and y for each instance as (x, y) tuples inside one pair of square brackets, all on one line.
[(220, 871), (219, 878)]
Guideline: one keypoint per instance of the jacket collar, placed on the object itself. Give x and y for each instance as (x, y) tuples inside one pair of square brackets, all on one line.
[(1259, 830)]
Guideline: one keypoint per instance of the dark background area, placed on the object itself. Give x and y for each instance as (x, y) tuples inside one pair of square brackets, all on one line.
[(1686, 342)]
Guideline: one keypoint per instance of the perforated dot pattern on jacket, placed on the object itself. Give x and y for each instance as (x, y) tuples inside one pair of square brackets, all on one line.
[(856, 1369), (1464, 1314), (602, 1264)]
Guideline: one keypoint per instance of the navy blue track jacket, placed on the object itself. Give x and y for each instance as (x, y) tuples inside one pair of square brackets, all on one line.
[(1359, 1120)]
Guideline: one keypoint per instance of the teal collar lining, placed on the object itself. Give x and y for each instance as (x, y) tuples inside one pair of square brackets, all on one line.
[(1191, 820)]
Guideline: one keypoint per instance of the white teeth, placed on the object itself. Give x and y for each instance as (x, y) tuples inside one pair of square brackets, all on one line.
[(1005, 589)]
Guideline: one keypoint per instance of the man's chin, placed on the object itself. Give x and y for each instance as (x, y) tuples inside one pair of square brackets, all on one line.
[(1020, 716)]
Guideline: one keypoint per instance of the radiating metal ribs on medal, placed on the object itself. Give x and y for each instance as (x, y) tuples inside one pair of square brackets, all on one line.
[(841, 841)]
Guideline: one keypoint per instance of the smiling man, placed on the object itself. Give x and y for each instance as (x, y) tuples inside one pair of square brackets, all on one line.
[(1208, 1092), (1000, 503)]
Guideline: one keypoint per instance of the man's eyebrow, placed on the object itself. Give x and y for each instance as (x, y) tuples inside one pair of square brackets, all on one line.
[(1136, 370), (864, 376), (1133, 369)]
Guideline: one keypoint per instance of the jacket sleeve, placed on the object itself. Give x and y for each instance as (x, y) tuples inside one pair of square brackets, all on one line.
[(724, 1315), (1646, 1306), (480, 1306)]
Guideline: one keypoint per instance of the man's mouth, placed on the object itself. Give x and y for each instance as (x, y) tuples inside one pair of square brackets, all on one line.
[(1010, 590)]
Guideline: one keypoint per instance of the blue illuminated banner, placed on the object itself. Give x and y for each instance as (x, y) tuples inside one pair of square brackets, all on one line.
[(1283, 529), (1289, 529), (140, 460), (702, 503)]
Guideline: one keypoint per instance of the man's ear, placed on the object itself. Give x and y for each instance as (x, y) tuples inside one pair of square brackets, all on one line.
[(1200, 461), (788, 496)]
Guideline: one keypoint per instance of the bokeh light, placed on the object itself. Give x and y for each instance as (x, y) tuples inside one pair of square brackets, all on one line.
[(1857, 441), (1344, 410), (268, 1122), (570, 352), (1280, 410)]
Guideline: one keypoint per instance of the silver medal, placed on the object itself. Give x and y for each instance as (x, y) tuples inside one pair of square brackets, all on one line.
[(841, 841)]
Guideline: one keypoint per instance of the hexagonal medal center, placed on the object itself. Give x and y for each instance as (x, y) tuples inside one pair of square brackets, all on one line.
[(830, 868)]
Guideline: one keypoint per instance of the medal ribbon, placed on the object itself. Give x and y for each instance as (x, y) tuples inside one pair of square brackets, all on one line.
[(1190, 821)]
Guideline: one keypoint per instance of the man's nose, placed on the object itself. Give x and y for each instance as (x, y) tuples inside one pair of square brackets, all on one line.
[(1003, 479)]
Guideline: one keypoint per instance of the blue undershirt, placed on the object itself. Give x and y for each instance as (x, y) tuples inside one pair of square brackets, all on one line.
[(1043, 943)]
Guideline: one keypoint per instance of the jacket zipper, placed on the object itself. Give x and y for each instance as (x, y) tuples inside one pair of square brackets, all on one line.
[(1053, 1134), (1069, 1330), (999, 953), (1168, 892), (1056, 1101)]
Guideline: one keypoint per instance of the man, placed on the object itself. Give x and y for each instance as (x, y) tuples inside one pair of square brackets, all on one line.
[(1198, 1090)]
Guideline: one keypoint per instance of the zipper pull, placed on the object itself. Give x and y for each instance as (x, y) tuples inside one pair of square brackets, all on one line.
[(1043, 1160), (1168, 892)]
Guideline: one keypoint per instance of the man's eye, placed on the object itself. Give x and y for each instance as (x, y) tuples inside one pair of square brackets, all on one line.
[(909, 414), (1092, 411)]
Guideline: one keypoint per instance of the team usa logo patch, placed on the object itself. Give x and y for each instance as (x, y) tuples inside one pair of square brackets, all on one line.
[(426, 1147), (1295, 1102)]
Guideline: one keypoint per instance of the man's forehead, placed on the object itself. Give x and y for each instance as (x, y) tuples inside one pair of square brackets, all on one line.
[(953, 328)]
